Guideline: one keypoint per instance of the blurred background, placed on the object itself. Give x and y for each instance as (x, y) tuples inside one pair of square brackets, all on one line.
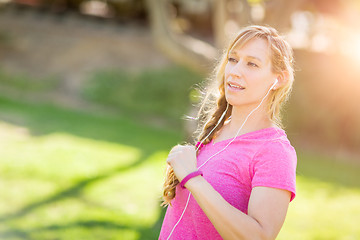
[(93, 95)]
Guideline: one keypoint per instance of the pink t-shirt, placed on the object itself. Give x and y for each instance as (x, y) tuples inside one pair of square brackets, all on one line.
[(260, 158)]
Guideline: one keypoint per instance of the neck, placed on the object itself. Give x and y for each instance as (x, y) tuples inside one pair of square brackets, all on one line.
[(256, 121)]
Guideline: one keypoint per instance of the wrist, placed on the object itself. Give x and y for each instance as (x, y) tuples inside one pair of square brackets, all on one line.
[(194, 182), (189, 177)]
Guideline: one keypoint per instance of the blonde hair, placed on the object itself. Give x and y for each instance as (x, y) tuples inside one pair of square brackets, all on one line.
[(214, 102)]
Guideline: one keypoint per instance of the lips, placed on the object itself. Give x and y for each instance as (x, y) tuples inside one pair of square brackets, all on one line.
[(234, 86)]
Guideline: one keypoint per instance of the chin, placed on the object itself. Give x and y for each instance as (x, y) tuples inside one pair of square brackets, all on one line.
[(235, 97), (236, 102), (233, 102)]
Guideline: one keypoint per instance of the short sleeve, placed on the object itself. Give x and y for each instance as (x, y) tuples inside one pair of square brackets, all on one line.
[(274, 165)]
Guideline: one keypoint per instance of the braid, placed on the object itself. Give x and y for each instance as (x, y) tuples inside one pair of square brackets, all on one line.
[(169, 186), (214, 102), (211, 123), (170, 180)]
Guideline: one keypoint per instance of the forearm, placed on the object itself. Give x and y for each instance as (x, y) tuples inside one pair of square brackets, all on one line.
[(230, 222)]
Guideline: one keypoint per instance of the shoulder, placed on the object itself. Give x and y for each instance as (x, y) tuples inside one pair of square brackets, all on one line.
[(279, 144), (276, 150), (274, 165)]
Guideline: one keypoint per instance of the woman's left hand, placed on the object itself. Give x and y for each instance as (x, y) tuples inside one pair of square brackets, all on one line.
[(183, 160)]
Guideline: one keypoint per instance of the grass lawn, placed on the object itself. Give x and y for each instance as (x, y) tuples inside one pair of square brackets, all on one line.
[(72, 175)]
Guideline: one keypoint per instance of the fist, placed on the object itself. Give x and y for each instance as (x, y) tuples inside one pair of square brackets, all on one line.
[(183, 160)]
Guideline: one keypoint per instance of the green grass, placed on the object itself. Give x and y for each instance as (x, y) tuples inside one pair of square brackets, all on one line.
[(73, 175), (67, 174), (327, 203)]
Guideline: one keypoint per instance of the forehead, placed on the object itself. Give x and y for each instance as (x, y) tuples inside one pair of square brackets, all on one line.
[(255, 47)]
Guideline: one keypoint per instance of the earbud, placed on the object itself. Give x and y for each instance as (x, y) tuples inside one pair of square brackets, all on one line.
[(273, 86), (237, 134)]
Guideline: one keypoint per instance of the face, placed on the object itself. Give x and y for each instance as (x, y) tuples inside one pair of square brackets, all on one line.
[(248, 74)]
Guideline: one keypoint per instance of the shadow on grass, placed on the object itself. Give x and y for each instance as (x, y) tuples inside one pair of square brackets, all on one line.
[(106, 226), (43, 119), (328, 169), (46, 119), (73, 191)]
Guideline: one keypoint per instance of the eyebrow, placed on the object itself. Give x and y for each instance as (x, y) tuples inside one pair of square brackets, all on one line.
[(248, 56)]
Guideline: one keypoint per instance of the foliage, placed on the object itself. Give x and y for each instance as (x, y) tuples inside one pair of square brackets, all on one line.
[(153, 92), (26, 84)]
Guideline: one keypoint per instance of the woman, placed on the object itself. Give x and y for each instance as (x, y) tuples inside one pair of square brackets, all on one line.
[(238, 182)]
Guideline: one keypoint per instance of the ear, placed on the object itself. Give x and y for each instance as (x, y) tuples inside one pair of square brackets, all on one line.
[(282, 78)]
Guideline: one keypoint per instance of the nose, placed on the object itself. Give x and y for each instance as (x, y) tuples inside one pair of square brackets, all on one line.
[(236, 70)]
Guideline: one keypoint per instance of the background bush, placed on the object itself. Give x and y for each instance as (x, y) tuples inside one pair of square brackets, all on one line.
[(164, 92)]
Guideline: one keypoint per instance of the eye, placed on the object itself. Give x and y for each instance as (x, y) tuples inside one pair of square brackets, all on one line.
[(232, 60), (252, 64)]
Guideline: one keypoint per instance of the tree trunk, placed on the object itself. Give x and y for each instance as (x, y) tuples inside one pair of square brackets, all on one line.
[(185, 50)]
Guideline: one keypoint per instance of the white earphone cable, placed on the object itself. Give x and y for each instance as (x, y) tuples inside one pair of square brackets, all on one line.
[(237, 133)]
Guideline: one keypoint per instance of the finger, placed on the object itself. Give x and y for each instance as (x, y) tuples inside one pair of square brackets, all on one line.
[(178, 147), (175, 149), (187, 147), (175, 153), (170, 159)]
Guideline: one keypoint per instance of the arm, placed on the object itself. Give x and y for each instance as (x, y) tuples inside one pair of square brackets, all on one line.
[(266, 212), (267, 206)]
